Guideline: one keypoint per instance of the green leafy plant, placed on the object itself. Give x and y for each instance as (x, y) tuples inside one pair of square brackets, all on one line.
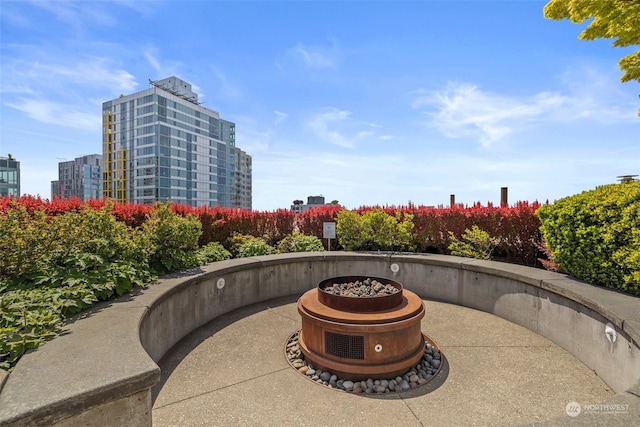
[(247, 246), (374, 230), (212, 252), (298, 242), (474, 243), (173, 237), (595, 235)]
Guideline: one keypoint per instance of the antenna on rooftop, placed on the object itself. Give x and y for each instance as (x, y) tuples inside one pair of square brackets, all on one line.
[(173, 92)]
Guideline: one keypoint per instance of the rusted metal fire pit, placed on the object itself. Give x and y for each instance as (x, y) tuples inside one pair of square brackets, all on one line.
[(358, 338)]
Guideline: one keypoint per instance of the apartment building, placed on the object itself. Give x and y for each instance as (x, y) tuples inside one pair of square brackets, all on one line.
[(81, 178), (162, 144), (9, 176)]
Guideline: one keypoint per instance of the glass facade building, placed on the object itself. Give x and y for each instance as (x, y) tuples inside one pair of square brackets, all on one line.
[(161, 144), (9, 176), (81, 178)]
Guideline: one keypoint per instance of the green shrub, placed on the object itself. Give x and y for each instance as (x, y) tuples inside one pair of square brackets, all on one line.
[(298, 242), (475, 243), (235, 242), (595, 235), (374, 230), (60, 265), (212, 252), (27, 319), (254, 246), (174, 239)]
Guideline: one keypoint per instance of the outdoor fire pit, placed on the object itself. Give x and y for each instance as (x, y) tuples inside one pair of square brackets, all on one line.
[(360, 327)]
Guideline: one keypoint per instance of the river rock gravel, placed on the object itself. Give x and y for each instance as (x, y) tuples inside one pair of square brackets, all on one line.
[(420, 374)]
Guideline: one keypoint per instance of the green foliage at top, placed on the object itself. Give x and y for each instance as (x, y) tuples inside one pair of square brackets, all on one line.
[(374, 230), (610, 19), (298, 242), (474, 243), (595, 235)]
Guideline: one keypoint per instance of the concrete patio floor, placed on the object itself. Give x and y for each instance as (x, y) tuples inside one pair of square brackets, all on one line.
[(233, 371)]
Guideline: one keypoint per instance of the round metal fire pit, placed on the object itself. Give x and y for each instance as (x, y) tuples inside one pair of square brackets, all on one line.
[(359, 304), (359, 344)]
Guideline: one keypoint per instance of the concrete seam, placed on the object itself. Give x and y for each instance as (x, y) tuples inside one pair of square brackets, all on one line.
[(221, 388), (406, 404)]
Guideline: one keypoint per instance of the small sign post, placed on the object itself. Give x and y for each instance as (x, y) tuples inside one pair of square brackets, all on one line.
[(329, 232)]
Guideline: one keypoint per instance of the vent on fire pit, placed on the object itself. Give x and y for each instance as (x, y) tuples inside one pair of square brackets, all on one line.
[(344, 346)]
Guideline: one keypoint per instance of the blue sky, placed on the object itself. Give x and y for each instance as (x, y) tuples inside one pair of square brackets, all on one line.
[(364, 102)]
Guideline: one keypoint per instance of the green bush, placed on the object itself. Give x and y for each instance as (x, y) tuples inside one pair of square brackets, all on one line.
[(212, 252), (254, 246), (246, 245), (174, 239), (475, 243), (298, 242), (595, 235), (374, 230), (57, 266)]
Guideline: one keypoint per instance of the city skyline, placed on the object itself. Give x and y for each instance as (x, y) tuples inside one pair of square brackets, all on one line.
[(367, 103)]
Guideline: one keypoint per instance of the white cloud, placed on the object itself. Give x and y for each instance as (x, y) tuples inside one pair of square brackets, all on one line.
[(330, 126), (280, 117), (464, 110), (81, 14), (151, 59), (227, 88), (314, 58), (59, 114), (47, 73), (165, 68), (51, 89)]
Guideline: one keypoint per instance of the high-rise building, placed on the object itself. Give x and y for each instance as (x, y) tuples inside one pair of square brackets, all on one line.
[(9, 176), (81, 178), (161, 143), (243, 179)]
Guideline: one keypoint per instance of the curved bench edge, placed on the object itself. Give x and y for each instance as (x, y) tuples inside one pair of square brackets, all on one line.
[(46, 388)]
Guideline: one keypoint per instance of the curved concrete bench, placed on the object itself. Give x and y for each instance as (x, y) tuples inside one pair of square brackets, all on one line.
[(101, 369)]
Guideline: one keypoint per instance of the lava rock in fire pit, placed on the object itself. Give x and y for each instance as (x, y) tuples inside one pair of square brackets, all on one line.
[(368, 288)]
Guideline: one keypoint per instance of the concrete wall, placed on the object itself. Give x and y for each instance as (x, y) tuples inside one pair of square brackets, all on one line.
[(101, 369)]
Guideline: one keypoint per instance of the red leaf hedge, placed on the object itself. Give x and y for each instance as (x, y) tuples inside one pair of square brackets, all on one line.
[(517, 227)]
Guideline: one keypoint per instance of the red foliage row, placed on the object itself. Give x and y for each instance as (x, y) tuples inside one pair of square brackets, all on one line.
[(131, 214), (517, 227)]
